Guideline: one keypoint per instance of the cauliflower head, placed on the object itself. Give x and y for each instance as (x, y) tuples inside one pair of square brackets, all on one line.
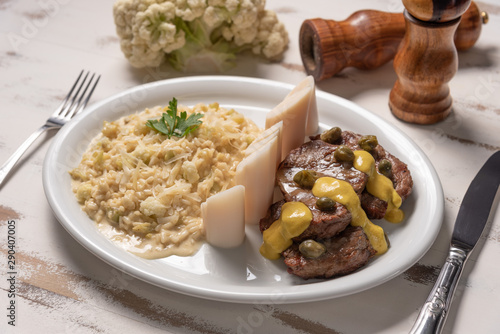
[(197, 35)]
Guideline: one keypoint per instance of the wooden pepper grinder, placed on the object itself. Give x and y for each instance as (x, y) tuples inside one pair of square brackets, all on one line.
[(368, 39), (426, 61)]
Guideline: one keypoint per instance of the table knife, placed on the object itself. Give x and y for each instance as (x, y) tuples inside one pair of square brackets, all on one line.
[(471, 220)]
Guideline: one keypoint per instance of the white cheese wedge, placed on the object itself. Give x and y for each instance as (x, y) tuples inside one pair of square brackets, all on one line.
[(224, 218), (257, 173), (312, 124), (299, 114), (264, 137)]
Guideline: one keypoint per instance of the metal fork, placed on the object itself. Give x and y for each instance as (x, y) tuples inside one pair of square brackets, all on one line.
[(71, 105)]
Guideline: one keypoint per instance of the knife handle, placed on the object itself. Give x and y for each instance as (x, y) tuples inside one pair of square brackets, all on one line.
[(433, 314)]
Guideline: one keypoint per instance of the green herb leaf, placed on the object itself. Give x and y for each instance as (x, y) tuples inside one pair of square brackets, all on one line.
[(158, 125), (171, 116), (187, 125), (172, 125)]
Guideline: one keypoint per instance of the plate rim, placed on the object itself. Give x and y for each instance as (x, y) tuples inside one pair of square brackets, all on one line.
[(249, 296)]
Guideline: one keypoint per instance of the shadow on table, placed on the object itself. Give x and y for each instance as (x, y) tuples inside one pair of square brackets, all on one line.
[(350, 82)]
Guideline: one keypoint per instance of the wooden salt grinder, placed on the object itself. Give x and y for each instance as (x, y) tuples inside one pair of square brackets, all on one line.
[(426, 61)]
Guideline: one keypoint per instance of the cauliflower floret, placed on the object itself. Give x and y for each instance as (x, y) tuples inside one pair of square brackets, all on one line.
[(193, 32), (240, 36), (141, 55), (188, 10), (220, 12), (272, 37), (213, 17), (230, 5), (124, 12), (83, 192), (151, 206), (110, 129), (247, 14), (190, 172), (153, 25), (144, 32)]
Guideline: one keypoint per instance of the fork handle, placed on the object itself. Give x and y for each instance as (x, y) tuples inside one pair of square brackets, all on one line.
[(14, 158)]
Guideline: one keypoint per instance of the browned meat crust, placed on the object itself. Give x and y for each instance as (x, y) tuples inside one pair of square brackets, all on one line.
[(374, 207), (345, 253), (401, 177), (348, 248), (323, 225), (318, 156)]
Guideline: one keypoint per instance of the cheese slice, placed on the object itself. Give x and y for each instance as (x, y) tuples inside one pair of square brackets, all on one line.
[(224, 218), (264, 137), (257, 173), (299, 114), (312, 124)]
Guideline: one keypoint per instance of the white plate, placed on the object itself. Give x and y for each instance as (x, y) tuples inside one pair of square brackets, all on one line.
[(242, 274)]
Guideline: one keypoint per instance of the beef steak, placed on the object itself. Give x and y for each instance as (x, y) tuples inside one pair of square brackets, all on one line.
[(347, 247), (346, 252), (318, 156)]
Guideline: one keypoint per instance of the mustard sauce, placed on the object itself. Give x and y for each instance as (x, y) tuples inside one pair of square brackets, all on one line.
[(343, 193), (296, 216), (379, 186), (295, 219)]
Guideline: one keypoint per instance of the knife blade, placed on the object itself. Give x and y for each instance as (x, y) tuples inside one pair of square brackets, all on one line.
[(469, 225)]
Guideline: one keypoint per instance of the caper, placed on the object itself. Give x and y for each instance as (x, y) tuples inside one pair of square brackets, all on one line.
[(325, 204), (385, 167), (368, 143), (331, 136), (311, 249), (305, 178), (343, 154)]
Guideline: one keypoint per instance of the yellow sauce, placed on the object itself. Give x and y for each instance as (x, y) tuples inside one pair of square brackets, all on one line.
[(379, 186), (295, 219), (343, 193), (296, 216)]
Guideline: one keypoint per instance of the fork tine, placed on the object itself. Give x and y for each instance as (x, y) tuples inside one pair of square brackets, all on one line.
[(62, 106), (81, 103), (88, 96), (66, 113)]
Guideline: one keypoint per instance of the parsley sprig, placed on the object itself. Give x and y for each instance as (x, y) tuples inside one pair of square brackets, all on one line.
[(170, 124)]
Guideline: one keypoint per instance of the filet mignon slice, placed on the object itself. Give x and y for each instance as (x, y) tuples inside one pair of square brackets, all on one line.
[(323, 225), (345, 253), (347, 247), (401, 177), (318, 156)]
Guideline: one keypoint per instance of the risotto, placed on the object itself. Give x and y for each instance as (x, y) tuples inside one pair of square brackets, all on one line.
[(144, 190)]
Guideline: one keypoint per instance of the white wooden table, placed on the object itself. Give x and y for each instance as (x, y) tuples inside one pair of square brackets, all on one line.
[(62, 288)]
